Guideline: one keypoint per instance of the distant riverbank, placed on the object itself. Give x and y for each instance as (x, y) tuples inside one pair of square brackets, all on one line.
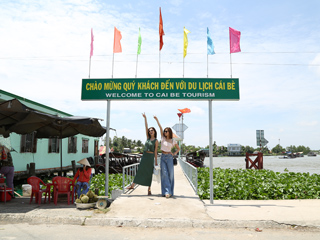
[(303, 164)]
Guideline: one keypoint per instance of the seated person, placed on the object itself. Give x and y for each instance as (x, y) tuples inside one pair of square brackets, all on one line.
[(6, 167), (83, 178)]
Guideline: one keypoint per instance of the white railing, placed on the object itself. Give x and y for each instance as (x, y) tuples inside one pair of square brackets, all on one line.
[(191, 174), (128, 174)]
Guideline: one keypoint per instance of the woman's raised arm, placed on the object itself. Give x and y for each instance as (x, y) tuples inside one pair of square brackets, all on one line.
[(145, 123), (161, 132)]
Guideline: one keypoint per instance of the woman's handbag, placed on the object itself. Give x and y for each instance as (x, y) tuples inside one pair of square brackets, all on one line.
[(156, 173), (175, 162)]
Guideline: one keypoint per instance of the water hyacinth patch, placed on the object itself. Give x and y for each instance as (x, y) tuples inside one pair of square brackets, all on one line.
[(250, 184), (98, 182)]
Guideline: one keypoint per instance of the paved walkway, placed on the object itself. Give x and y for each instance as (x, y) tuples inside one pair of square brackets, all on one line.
[(185, 209)]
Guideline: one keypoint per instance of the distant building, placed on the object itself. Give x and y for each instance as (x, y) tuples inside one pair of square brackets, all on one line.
[(126, 150), (234, 149)]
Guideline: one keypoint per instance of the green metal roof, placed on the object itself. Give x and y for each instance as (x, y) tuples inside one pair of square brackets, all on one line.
[(5, 96)]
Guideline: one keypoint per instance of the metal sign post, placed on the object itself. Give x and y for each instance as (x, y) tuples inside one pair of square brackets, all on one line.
[(107, 149), (210, 151)]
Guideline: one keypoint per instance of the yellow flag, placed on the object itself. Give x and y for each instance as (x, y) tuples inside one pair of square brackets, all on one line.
[(185, 41)]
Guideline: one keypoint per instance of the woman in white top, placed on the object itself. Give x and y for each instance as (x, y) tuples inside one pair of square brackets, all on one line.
[(167, 170)]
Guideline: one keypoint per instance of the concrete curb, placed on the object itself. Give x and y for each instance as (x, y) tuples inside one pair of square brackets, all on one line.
[(150, 223)]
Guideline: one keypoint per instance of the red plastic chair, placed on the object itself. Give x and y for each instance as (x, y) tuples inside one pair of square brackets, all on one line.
[(36, 190), (63, 185)]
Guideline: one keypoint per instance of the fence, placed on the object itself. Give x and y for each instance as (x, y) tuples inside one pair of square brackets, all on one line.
[(128, 174), (191, 174)]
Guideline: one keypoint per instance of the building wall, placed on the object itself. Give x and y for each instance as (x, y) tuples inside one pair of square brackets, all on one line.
[(234, 149), (43, 159)]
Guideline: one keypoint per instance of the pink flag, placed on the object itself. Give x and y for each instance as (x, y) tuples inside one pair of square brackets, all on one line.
[(116, 44), (91, 45), (234, 40)]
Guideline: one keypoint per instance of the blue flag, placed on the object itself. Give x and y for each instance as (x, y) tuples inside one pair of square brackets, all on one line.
[(210, 46)]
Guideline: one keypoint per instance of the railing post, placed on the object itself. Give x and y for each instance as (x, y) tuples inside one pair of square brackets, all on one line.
[(123, 174)]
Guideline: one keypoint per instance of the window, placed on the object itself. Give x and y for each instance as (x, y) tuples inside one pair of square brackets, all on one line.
[(54, 144), (28, 143), (72, 145), (85, 143)]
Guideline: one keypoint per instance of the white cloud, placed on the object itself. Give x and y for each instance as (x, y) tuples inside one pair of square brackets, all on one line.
[(45, 54)]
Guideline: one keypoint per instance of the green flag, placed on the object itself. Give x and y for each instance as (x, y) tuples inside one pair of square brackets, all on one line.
[(139, 43)]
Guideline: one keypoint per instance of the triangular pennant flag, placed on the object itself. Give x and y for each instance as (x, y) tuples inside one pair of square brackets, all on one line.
[(116, 44), (91, 45), (139, 43), (234, 40), (210, 47), (161, 32), (185, 41)]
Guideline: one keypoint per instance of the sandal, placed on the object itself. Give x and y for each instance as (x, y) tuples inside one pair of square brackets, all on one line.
[(130, 187), (149, 192)]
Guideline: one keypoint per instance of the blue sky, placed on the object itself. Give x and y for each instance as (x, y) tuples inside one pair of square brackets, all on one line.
[(45, 45)]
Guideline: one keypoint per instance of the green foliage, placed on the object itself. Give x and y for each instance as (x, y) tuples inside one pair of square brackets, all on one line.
[(98, 181), (247, 149), (249, 184), (119, 143), (278, 149), (300, 148)]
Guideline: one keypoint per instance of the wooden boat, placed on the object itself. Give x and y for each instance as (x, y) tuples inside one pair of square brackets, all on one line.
[(116, 162), (196, 158), (312, 154)]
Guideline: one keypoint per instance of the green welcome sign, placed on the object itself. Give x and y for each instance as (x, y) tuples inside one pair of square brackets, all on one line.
[(160, 89)]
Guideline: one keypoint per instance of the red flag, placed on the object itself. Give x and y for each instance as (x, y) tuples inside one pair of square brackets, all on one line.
[(185, 110), (161, 32), (234, 40), (116, 44), (91, 45)]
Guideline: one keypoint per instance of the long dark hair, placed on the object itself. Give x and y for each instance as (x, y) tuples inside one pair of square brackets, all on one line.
[(170, 132), (155, 132)]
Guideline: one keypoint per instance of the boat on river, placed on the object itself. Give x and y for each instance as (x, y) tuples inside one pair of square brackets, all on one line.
[(196, 158), (116, 162), (312, 154)]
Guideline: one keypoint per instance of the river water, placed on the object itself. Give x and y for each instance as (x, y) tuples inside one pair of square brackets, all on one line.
[(301, 164)]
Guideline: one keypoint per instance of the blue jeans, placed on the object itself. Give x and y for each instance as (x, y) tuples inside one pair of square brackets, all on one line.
[(167, 174), (82, 188)]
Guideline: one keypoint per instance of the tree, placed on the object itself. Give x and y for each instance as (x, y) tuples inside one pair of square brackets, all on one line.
[(139, 143), (247, 149), (278, 149)]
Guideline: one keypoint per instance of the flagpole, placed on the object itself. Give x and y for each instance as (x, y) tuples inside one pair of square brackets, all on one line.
[(112, 65), (230, 65), (137, 66), (183, 69), (89, 66), (207, 65), (159, 63)]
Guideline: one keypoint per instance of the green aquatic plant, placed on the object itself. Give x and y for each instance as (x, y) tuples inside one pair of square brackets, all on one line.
[(245, 184), (98, 182)]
